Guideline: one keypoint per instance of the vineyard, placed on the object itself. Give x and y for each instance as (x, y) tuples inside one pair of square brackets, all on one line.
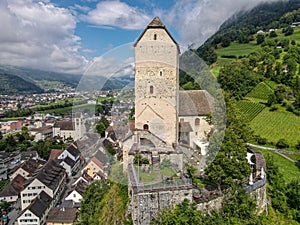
[(261, 92), (276, 125), (250, 109)]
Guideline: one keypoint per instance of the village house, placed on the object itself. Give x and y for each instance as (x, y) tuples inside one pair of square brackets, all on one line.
[(27, 168), (64, 216), (37, 211), (11, 192), (11, 125), (98, 164), (68, 158), (50, 178), (76, 193)]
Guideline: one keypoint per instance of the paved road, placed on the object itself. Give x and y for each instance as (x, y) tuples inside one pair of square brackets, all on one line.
[(278, 151), (13, 214)]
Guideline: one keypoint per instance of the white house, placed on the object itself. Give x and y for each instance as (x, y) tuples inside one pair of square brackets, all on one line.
[(70, 159), (50, 179), (76, 193), (37, 211)]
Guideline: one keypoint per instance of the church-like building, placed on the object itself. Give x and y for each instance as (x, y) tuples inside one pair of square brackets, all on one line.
[(168, 121)]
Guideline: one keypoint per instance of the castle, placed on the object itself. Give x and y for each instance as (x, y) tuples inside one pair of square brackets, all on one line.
[(170, 127)]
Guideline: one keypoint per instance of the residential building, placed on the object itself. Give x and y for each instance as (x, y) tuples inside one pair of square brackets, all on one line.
[(76, 192), (99, 163), (70, 159), (27, 168), (12, 191), (37, 211), (64, 216), (51, 178)]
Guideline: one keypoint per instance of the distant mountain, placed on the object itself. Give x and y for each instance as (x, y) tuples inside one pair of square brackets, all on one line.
[(38, 76), (19, 80), (12, 84)]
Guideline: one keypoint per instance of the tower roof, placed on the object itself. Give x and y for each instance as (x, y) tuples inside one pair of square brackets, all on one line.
[(156, 23)]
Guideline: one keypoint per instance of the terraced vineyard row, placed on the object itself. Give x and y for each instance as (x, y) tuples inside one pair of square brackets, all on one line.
[(250, 109), (276, 125), (261, 91)]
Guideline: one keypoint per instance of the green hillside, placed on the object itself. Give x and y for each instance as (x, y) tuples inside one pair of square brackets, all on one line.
[(261, 69), (11, 84)]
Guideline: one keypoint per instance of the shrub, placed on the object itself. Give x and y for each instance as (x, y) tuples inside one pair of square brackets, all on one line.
[(282, 143)]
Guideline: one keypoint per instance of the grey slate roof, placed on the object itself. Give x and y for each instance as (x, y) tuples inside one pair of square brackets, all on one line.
[(67, 215), (40, 204), (73, 150), (69, 161), (64, 125), (101, 157), (195, 103), (14, 187), (51, 174)]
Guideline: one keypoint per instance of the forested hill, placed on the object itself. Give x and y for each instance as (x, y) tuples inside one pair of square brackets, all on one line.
[(256, 59), (244, 25), (11, 84)]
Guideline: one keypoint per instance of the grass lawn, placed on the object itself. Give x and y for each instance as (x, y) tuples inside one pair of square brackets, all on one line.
[(288, 169), (276, 125), (87, 107), (153, 176)]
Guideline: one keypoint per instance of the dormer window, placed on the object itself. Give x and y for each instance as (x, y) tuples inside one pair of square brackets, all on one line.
[(155, 36)]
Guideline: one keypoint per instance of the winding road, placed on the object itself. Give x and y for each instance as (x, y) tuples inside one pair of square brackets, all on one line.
[(278, 151)]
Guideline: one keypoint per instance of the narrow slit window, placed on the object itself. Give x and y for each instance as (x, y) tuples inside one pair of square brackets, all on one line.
[(197, 122), (155, 36), (160, 73), (151, 89)]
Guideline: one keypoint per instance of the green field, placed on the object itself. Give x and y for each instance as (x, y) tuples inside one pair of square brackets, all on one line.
[(237, 49), (276, 125), (250, 109), (84, 107), (288, 169), (262, 92)]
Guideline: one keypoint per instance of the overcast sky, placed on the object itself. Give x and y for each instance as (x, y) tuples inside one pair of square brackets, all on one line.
[(67, 35)]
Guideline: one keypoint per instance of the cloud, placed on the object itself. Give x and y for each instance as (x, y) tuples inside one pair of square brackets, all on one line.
[(197, 20), (117, 14), (39, 35)]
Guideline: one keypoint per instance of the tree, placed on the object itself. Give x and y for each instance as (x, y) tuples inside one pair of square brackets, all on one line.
[(100, 128), (1, 135), (230, 164), (288, 31), (260, 38), (273, 34), (282, 143), (271, 100)]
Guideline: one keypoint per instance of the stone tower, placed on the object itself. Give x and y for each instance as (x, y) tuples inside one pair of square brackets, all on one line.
[(157, 82)]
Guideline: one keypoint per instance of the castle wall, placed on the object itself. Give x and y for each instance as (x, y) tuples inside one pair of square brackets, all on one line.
[(146, 206)]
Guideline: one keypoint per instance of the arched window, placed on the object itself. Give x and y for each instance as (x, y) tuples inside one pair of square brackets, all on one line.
[(160, 73), (197, 121), (155, 36), (146, 127), (151, 89)]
